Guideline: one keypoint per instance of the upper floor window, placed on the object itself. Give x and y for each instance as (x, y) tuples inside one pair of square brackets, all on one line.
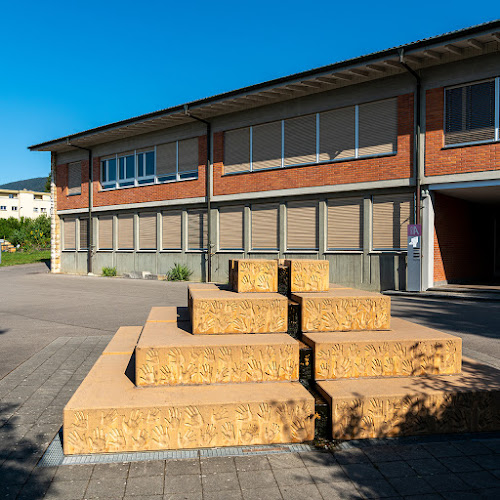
[(12, 195), (471, 113), (35, 209), (359, 131), (44, 210), (177, 160), (75, 178), (3, 207), (14, 208)]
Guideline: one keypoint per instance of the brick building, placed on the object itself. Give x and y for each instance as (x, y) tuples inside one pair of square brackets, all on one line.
[(331, 163)]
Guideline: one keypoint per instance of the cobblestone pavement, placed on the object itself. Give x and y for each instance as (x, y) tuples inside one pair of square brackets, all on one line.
[(32, 398)]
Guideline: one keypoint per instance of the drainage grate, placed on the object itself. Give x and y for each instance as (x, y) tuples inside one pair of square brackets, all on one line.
[(55, 457)]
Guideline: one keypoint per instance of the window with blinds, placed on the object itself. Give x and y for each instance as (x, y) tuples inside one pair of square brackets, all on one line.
[(197, 230), (470, 113), (300, 140), (147, 231), (125, 232), (171, 230), (266, 146), (391, 216), (345, 224), (69, 234), (166, 161), (231, 228), (84, 228), (188, 158), (264, 226), (337, 134), (75, 178), (378, 132), (237, 151), (302, 225), (105, 233)]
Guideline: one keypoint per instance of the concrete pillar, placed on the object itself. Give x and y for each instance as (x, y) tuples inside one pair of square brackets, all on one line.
[(427, 241), (367, 240), (55, 225)]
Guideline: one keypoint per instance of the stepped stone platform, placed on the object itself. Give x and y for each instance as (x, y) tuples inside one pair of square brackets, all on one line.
[(308, 275), (253, 275), (405, 350), (123, 341), (223, 311), (343, 309), (371, 408), (167, 354)]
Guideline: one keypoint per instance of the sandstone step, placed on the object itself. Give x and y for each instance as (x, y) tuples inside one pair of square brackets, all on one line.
[(343, 309), (222, 311), (373, 408), (407, 349), (253, 275), (124, 340), (167, 314), (168, 354), (108, 413), (307, 275), (199, 286)]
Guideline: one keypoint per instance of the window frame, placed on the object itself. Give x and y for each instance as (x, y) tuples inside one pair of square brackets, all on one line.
[(496, 118)]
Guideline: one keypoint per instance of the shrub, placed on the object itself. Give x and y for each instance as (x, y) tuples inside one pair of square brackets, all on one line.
[(179, 272), (109, 271), (29, 234)]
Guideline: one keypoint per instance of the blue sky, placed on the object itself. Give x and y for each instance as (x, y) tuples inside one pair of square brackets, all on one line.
[(70, 66)]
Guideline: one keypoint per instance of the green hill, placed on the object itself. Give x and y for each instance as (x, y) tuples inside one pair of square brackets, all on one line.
[(35, 184)]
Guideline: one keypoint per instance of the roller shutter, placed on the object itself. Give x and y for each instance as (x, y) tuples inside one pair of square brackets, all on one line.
[(300, 140), (197, 230), (345, 224), (171, 230), (302, 225), (264, 227), (69, 234), (237, 151), (337, 134), (391, 216), (166, 159), (84, 227), (147, 231), (105, 233), (75, 178), (266, 146), (188, 155), (125, 232), (231, 228)]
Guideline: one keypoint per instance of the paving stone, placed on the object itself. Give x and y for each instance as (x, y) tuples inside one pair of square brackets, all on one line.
[(143, 497), (464, 495), (110, 471), (480, 479), (411, 485), (68, 490), (426, 496), (285, 461), (173, 467), (217, 464), (352, 456), (318, 459), (147, 468), (396, 469), (105, 487), (222, 481), (74, 472), (413, 452), (226, 495), (300, 492), (379, 488), (285, 477), (256, 478), (427, 466), (447, 482), (472, 447), (490, 462), (262, 494), (147, 485), (342, 490), (329, 474), (361, 472), (182, 483), (461, 464), (442, 450), (252, 463), (382, 454), (183, 496)]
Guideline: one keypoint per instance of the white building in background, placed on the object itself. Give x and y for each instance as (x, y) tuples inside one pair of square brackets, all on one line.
[(23, 203)]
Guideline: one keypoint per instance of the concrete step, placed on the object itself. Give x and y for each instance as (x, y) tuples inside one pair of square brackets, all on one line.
[(375, 408), (253, 275), (124, 340), (343, 309), (168, 354), (222, 311), (108, 413), (168, 314), (406, 350), (307, 275)]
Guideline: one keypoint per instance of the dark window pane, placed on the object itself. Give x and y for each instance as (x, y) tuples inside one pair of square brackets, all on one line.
[(130, 168), (103, 171), (140, 165), (166, 178), (454, 113), (480, 105), (150, 163), (121, 168), (112, 170)]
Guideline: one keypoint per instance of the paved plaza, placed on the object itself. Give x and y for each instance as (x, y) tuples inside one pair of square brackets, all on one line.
[(52, 330)]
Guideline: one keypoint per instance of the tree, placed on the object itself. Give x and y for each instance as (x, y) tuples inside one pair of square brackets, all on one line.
[(47, 184)]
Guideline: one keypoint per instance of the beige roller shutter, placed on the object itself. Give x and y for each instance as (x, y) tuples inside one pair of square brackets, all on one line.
[(69, 234), (166, 159), (75, 178), (105, 233), (300, 140), (237, 150), (391, 216), (147, 231), (266, 146), (345, 224), (125, 232), (337, 135), (302, 225), (84, 227), (197, 229), (188, 155), (231, 228), (265, 227), (172, 230), (378, 127)]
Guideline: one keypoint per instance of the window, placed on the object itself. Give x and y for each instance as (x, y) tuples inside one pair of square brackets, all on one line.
[(84, 226), (75, 178), (145, 167), (197, 230), (172, 230), (3, 207), (391, 216), (69, 234), (14, 208), (147, 231), (35, 209), (345, 224), (302, 225), (128, 169), (43, 210), (177, 160), (470, 113), (11, 196), (125, 232), (264, 226), (347, 133), (231, 228), (108, 173), (105, 233)]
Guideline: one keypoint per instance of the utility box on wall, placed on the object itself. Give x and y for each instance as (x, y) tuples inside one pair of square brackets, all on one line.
[(414, 260)]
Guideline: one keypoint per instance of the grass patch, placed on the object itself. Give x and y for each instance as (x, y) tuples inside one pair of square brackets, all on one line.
[(109, 271), (17, 258)]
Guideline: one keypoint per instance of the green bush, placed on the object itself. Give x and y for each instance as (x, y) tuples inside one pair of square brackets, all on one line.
[(29, 234), (179, 272), (109, 271)]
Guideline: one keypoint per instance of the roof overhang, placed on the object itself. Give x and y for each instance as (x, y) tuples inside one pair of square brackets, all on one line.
[(450, 47)]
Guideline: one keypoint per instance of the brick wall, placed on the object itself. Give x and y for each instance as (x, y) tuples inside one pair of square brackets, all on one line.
[(439, 161), (398, 166)]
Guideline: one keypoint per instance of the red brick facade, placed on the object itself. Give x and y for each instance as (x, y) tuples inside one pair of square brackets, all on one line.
[(439, 161)]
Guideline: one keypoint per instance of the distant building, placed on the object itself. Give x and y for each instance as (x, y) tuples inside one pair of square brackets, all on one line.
[(23, 203)]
